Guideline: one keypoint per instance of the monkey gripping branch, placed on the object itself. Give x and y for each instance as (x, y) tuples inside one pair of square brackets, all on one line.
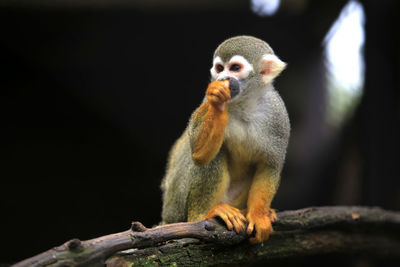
[(309, 231), (227, 164)]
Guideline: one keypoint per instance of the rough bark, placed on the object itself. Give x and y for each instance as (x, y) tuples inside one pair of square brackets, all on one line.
[(302, 232)]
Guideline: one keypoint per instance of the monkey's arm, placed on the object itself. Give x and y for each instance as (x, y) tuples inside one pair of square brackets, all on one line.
[(261, 193), (207, 126)]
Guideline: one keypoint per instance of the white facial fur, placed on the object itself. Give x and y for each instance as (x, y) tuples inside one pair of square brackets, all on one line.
[(242, 73)]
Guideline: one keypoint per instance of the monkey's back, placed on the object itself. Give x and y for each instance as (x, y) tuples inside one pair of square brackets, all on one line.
[(181, 176), (175, 183)]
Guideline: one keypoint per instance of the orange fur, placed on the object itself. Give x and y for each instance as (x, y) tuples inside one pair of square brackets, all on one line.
[(232, 216), (259, 213), (213, 117)]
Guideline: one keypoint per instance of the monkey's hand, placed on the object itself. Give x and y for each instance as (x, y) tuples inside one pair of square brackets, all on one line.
[(232, 216), (218, 93), (261, 223)]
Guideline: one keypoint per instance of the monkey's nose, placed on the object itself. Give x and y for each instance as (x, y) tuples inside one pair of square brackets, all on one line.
[(234, 86)]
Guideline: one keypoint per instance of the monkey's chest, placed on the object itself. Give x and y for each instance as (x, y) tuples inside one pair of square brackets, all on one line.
[(242, 140), (243, 153), (240, 179)]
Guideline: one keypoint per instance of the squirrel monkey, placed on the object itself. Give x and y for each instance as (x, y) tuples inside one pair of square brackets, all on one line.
[(228, 161)]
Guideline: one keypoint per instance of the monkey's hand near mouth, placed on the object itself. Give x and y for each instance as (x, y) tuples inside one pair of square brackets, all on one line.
[(218, 94), (212, 117)]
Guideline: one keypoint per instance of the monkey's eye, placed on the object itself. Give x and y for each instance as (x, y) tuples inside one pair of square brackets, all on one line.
[(219, 68), (235, 67)]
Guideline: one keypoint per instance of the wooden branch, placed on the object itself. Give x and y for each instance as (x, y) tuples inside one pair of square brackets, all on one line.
[(301, 232)]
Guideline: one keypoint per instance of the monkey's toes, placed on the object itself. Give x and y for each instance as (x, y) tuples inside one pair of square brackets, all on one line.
[(232, 217), (272, 215), (260, 225)]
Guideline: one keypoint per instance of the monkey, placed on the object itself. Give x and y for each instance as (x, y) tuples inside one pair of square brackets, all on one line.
[(228, 161)]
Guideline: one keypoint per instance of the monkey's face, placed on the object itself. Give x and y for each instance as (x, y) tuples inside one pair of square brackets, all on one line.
[(247, 62), (243, 76), (236, 70)]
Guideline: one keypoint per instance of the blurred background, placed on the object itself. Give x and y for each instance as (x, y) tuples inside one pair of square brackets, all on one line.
[(94, 94)]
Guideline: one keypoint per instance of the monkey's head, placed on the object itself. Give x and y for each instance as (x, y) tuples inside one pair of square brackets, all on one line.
[(247, 62)]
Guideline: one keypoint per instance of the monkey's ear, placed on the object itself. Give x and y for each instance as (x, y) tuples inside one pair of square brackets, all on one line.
[(270, 67)]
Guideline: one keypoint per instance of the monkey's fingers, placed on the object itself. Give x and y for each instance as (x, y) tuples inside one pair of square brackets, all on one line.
[(219, 89), (261, 224), (241, 217), (250, 228), (217, 86), (216, 102), (262, 228), (230, 215), (226, 83), (259, 237), (237, 213), (225, 92), (231, 219), (227, 221), (237, 216), (238, 225), (262, 234), (222, 94), (214, 99), (218, 95), (272, 215)]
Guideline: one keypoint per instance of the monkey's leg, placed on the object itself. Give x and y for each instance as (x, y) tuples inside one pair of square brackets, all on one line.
[(261, 193), (206, 193)]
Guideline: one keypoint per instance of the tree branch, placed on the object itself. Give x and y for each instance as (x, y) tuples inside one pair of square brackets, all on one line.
[(307, 231)]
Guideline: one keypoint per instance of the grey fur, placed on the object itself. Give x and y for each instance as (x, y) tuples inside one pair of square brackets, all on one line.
[(249, 47), (257, 133)]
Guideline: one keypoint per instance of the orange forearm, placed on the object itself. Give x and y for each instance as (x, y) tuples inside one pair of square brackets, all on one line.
[(208, 141)]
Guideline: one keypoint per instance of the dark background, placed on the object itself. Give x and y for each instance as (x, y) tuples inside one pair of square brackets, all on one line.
[(93, 95)]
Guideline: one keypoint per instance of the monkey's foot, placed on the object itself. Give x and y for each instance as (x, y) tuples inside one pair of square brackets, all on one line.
[(272, 215), (261, 223), (232, 216)]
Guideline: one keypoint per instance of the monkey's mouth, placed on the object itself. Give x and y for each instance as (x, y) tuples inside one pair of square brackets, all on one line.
[(234, 86)]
